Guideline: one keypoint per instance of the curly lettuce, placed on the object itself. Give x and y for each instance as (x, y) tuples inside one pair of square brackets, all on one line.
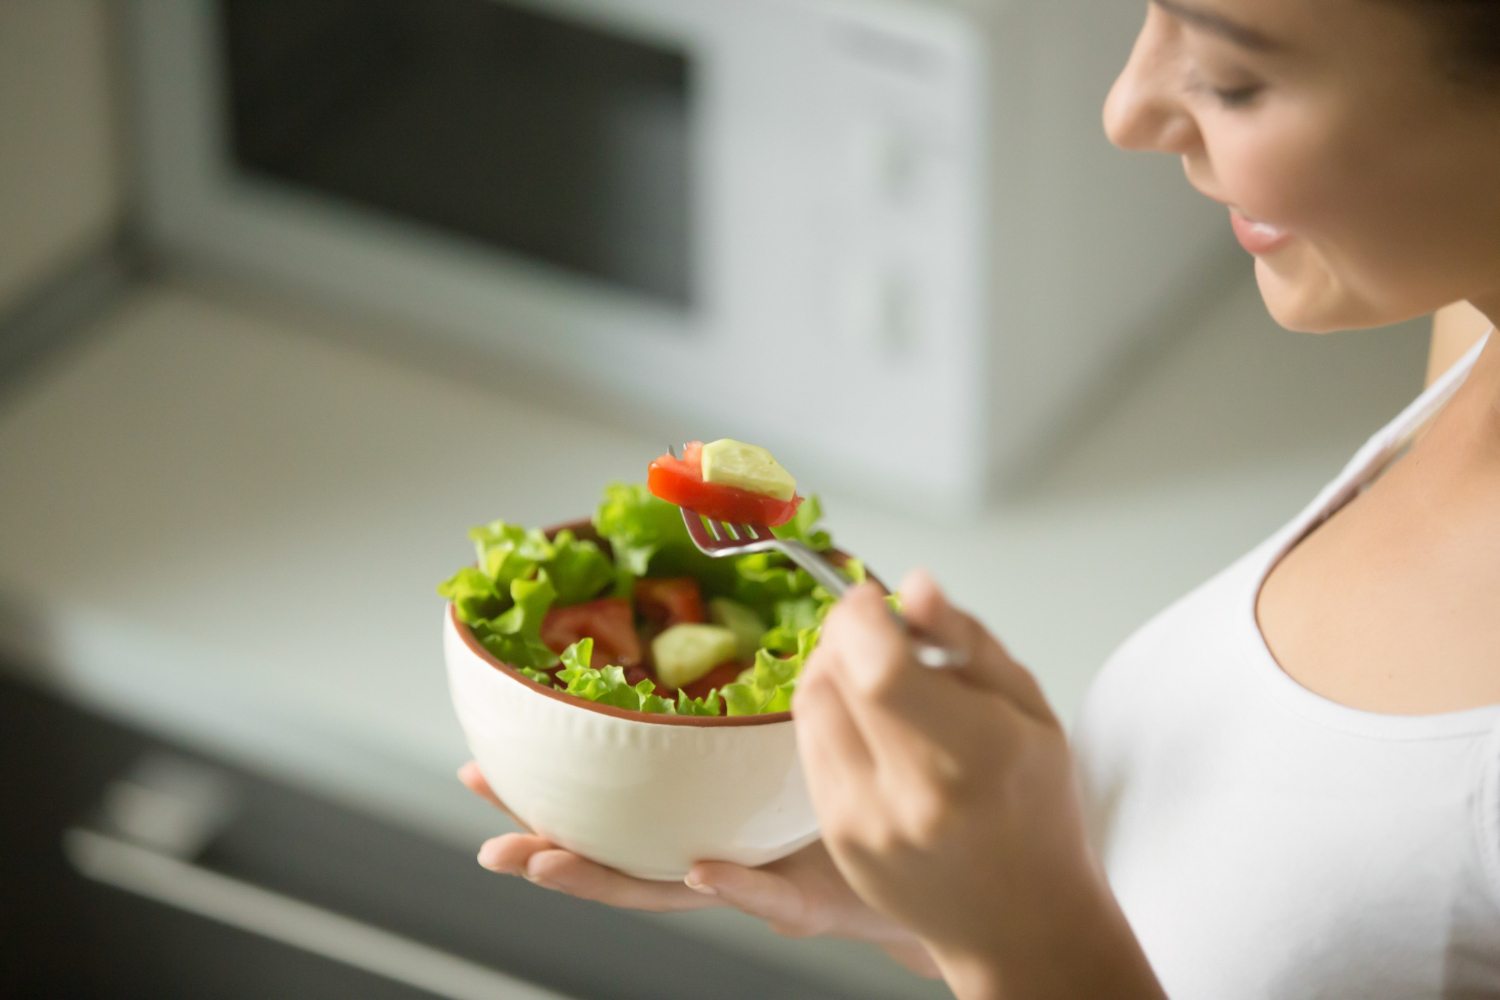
[(520, 575), (608, 686)]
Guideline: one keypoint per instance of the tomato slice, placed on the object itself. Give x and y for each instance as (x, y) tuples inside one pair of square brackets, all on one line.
[(680, 481), (723, 674), (608, 621), (669, 601)]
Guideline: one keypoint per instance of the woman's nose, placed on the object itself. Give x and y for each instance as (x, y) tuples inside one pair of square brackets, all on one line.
[(1144, 109)]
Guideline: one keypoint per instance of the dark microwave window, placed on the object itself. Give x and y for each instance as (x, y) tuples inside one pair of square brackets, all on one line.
[(543, 136)]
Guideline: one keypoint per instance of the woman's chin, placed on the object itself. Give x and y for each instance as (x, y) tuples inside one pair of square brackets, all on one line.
[(1308, 303)]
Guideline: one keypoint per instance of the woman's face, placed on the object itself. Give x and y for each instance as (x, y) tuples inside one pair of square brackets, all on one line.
[(1364, 180)]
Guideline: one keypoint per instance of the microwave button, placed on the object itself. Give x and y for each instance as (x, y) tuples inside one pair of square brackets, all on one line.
[(886, 162)]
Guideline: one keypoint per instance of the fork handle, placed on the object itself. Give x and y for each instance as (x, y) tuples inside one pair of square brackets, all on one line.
[(932, 655)]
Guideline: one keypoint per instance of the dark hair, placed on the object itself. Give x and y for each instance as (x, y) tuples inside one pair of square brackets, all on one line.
[(1468, 33)]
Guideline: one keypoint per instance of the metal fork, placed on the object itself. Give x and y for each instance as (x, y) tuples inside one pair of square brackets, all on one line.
[(721, 538)]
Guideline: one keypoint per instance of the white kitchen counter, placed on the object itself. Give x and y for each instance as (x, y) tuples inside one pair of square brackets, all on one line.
[(220, 520)]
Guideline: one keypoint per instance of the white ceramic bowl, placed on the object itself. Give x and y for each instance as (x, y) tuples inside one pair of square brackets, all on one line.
[(646, 794)]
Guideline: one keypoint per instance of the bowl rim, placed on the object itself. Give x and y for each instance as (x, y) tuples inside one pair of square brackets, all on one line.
[(629, 714), (584, 528)]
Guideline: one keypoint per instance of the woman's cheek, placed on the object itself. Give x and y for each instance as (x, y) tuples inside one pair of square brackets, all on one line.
[(1277, 179), (1279, 149)]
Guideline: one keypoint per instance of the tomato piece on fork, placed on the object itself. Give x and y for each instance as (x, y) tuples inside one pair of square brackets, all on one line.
[(680, 481)]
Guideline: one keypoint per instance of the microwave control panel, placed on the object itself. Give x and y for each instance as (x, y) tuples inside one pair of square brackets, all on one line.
[(902, 203)]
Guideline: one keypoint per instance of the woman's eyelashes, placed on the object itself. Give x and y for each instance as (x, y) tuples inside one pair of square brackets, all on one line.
[(1237, 97), (1228, 97)]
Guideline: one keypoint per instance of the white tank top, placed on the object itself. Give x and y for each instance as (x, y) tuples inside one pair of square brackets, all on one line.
[(1265, 841)]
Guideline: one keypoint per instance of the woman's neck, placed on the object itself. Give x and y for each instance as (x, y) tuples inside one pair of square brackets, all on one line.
[(1475, 429)]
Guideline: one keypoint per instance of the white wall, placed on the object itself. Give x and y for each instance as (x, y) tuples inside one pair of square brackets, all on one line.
[(60, 186)]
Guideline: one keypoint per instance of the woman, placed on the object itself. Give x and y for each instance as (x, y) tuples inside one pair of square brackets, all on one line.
[(1290, 779)]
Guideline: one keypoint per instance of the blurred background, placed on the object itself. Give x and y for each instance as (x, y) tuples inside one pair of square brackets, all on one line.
[(292, 292)]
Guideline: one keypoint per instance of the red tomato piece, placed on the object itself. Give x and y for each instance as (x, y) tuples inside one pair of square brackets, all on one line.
[(723, 674), (680, 481), (608, 621), (668, 602)]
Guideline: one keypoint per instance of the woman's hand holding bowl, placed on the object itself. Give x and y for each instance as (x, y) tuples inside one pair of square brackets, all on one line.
[(802, 895)]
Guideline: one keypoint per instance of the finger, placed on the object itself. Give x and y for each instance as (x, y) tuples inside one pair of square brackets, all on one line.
[(791, 906), (827, 739), (906, 714), (836, 762), (877, 656), (509, 853), (760, 893), (889, 697), (473, 779), (554, 868), (990, 664)]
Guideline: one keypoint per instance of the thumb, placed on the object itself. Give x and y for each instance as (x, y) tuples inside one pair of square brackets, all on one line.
[(990, 665)]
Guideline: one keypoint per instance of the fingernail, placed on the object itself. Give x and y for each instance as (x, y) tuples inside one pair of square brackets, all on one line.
[(697, 886), (489, 856), (542, 883), (530, 875)]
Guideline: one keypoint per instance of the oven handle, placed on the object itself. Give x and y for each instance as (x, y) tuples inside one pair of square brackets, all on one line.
[(196, 889)]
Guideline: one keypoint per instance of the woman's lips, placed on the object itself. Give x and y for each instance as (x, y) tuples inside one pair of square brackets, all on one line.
[(1255, 236)]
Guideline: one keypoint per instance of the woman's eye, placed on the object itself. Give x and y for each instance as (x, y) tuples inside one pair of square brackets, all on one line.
[(1228, 97), (1236, 97)]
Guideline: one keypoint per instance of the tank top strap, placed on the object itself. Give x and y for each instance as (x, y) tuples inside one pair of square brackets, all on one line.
[(1409, 423), (1387, 444)]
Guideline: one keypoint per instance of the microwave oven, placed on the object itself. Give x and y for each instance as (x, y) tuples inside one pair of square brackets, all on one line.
[(885, 238)]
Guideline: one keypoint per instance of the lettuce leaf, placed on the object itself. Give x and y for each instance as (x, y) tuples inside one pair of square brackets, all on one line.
[(803, 526), (637, 525), (790, 618), (706, 705), (508, 552), (540, 676), (646, 534), (763, 579), (514, 636), (579, 570), (473, 593), (608, 686), (768, 686)]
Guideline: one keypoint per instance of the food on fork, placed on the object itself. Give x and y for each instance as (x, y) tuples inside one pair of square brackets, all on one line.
[(726, 480), (747, 466)]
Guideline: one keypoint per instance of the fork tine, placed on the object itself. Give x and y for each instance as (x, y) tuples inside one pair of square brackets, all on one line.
[(694, 525), (725, 538)]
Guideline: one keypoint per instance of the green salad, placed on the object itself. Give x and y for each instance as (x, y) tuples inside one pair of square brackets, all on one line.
[(647, 623)]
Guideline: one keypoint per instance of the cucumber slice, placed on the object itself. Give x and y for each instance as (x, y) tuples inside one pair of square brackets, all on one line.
[(742, 621), (684, 653), (748, 466)]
